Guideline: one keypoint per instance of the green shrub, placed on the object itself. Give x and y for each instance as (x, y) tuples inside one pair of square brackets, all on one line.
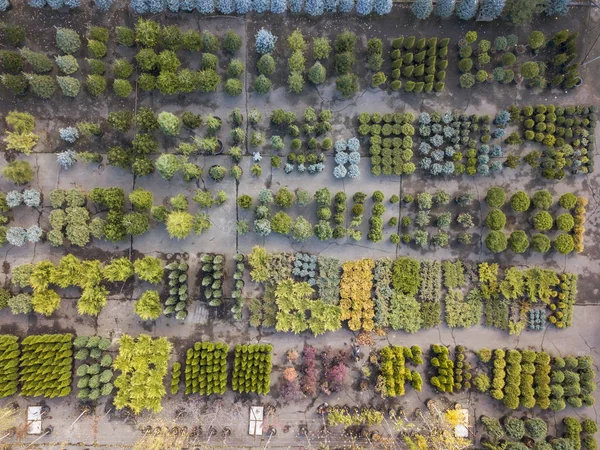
[(122, 88), (41, 85), (317, 73), (147, 59), (19, 172), (169, 123), (96, 85), (233, 87), (67, 40), (495, 197), (231, 42), (540, 243), (96, 49), (565, 222), (520, 201), (14, 34), (518, 241), (529, 70), (17, 84), (496, 220), (564, 243), (496, 241), (67, 64), (262, 84), (543, 221), (122, 69), (125, 36), (235, 68), (192, 41), (347, 84), (542, 199), (39, 62), (147, 32)]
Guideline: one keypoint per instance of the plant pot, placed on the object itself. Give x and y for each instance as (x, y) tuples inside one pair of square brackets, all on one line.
[(271, 431), (219, 149), (521, 49), (579, 82), (226, 432), (518, 78), (212, 431), (48, 430), (462, 43)]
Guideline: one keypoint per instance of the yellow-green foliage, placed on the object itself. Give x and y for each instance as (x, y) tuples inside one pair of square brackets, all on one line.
[(143, 364), (46, 365), (252, 368), (206, 368), (9, 365)]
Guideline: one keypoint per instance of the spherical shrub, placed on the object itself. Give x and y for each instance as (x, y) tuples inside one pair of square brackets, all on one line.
[(564, 243), (518, 241), (495, 197), (530, 69), (520, 201), (542, 199), (543, 221), (540, 243), (496, 241), (233, 86), (262, 84), (568, 201), (565, 222), (496, 220)]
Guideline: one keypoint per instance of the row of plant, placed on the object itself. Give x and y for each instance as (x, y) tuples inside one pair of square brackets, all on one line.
[(420, 63), (94, 368), (89, 275), (558, 70), (532, 432), (45, 365), (309, 378), (252, 368), (569, 224), (408, 294), (528, 379), (567, 134), (393, 371), (206, 368)]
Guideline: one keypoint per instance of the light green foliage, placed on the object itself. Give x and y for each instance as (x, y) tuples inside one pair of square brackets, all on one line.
[(149, 269), (252, 374), (206, 368), (138, 387), (148, 306)]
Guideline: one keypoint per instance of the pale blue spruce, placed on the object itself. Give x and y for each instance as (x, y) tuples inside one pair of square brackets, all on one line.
[(491, 9), (104, 5), (225, 6), (346, 6), (364, 7), (4, 4), (296, 6), (156, 6), (466, 9), (422, 9), (173, 5), (139, 6), (261, 6), (243, 6), (330, 5), (265, 41), (205, 6), (72, 4), (187, 5), (557, 7), (314, 7), (382, 7), (278, 6), (444, 8), (55, 4), (37, 3)]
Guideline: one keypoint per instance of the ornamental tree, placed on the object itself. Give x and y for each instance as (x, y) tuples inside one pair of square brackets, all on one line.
[(466, 9), (422, 9), (491, 9)]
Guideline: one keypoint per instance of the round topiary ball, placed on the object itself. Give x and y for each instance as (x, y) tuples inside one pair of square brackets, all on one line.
[(496, 241), (495, 220), (518, 241), (495, 197), (564, 243), (565, 222), (540, 243), (520, 201), (543, 221), (542, 199), (568, 201)]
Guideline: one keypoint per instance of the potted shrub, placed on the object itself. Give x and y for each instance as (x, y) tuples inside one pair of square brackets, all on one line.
[(217, 172)]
